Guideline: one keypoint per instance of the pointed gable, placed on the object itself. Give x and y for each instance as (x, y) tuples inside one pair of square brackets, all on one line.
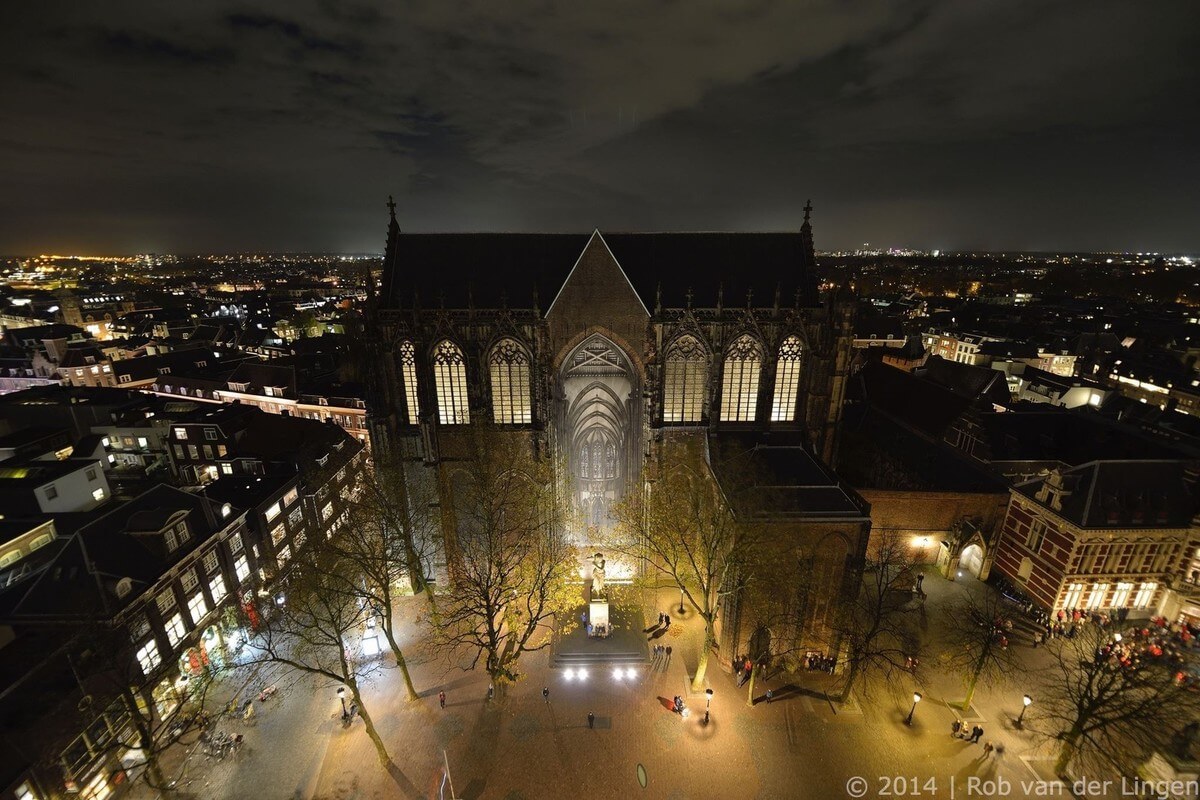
[(597, 292)]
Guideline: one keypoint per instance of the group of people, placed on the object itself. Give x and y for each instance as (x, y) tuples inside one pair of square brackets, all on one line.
[(664, 620), (743, 667), (817, 662), (662, 651), (958, 730)]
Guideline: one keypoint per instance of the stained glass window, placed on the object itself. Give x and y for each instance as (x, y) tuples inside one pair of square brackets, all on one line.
[(787, 379), (685, 379), (450, 379), (739, 388)]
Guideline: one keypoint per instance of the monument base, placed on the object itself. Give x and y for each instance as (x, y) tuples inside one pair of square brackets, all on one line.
[(598, 617)]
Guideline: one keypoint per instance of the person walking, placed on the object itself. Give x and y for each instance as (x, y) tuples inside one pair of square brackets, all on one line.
[(660, 619), (987, 749), (770, 695), (920, 580), (668, 654), (546, 693), (976, 734), (955, 728), (442, 699), (491, 690), (591, 720), (667, 617)]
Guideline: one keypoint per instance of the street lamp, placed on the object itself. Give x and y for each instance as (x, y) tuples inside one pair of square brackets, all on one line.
[(708, 693), (341, 693), (681, 609), (916, 699), (1028, 701)]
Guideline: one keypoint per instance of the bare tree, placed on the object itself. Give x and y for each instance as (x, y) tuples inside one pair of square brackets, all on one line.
[(388, 541), (1109, 702), (978, 641), (872, 627), (684, 529), (317, 629), (510, 560)]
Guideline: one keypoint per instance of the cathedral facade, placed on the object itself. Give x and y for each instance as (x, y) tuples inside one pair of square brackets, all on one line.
[(604, 348)]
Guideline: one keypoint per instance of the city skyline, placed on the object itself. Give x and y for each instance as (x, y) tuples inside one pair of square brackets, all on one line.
[(146, 128)]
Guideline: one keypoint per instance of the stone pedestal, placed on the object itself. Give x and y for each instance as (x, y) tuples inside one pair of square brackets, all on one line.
[(598, 615)]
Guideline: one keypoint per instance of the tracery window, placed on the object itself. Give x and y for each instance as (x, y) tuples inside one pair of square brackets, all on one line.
[(408, 376), (787, 379), (450, 380), (584, 462), (509, 367), (739, 389), (685, 379), (610, 461)]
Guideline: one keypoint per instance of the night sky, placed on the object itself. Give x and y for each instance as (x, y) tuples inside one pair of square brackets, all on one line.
[(216, 127)]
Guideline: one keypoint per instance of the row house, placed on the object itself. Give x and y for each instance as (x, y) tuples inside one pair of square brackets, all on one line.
[(1110, 536), (141, 598)]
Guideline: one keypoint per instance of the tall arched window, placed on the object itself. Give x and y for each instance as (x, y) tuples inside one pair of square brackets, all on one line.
[(450, 380), (787, 379), (739, 389), (408, 377), (685, 379), (585, 461), (509, 367)]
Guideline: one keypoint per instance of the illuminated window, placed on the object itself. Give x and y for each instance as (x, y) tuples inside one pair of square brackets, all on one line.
[(509, 366), (450, 379), (241, 567), (216, 587), (1096, 599), (787, 379), (1145, 595), (277, 534), (408, 375), (1121, 595), (175, 629), (273, 511), (147, 657), (739, 388), (685, 379), (197, 607), (1073, 596)]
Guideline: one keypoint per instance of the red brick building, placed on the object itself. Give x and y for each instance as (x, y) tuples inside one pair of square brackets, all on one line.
[(1106, 535)]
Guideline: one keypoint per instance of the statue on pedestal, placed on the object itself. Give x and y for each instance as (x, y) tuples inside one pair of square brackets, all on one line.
[(598, 563)]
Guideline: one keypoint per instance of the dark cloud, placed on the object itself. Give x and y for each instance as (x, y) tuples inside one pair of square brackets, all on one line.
[(937, 123)]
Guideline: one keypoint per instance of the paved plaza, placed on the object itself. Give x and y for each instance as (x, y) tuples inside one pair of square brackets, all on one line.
[(520, 746)]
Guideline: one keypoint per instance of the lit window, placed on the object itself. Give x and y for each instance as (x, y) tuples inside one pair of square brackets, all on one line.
[(1073, 596), (408, 375), (142, 442), (216, 587), (450, 379), (290, 497), (326, 512), (787, 379), (285, 553), (241, 567), (40, 541), (98, 495), (1145, 595), (685, 380), (96, 789), (273, 511), (181, 433), (1096, 598), (197, 607), (175, 629), (236, 544), (739, 388), (226, 468), (210, 562), (277, 534), (509, 367), (1121, 594), (147, 657)]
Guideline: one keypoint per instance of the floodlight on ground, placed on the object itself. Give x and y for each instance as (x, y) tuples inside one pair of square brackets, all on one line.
[(582, 674), (569, 674), (618, 673)]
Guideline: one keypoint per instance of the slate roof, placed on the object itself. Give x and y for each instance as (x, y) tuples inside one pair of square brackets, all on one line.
[(81, 582), (924, 406), (1124, 494), (774, 476), (482, 268)]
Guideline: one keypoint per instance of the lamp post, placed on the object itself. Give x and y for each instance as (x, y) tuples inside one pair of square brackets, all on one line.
[(708, 693), (681, 609), (1028, 701), (911, 711), (341, 693)]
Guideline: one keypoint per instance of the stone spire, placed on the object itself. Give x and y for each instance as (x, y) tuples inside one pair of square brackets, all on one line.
[(808, 260), (390, 252)]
